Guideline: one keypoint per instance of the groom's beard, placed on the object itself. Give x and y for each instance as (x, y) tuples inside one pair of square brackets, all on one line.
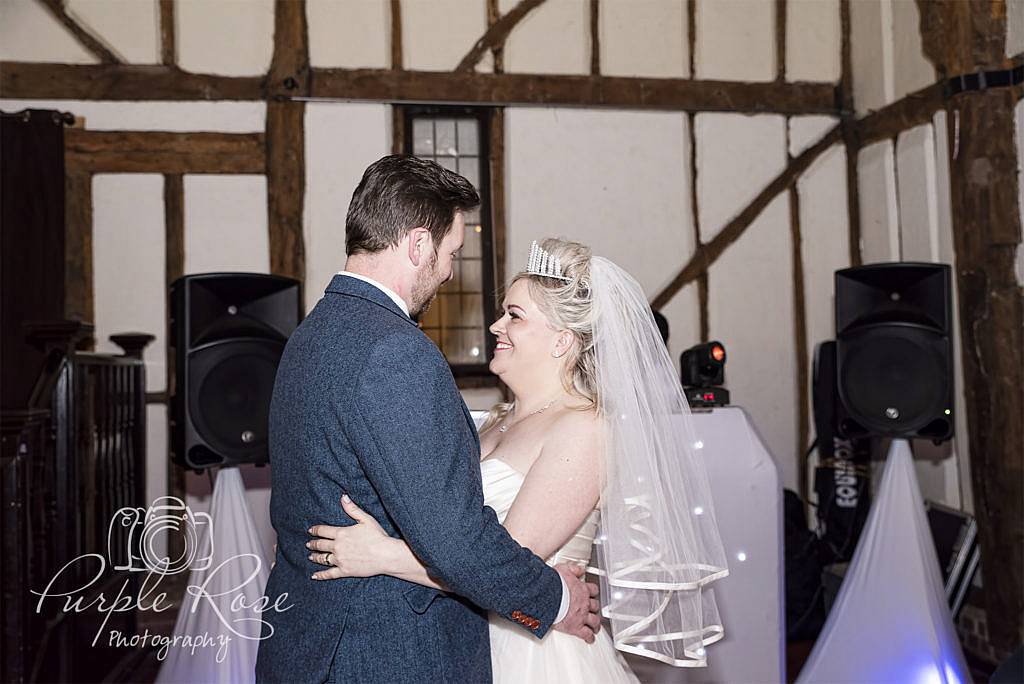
[(425, 289)]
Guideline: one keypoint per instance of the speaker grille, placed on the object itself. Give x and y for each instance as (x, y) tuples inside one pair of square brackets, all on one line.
[(893, 378), (233, 382)]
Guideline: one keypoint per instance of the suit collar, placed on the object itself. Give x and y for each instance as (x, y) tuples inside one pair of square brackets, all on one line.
[(353, 287)]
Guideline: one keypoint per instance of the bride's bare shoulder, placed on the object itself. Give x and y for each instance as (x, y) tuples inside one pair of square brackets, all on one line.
[(576, 430)]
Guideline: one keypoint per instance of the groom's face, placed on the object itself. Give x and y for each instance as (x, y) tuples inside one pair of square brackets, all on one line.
[(439, 268)]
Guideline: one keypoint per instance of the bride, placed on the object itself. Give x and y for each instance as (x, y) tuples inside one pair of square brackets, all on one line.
[(595, 451)]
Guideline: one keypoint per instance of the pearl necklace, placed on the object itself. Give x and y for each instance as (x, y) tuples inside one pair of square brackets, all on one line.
[(505, 426)]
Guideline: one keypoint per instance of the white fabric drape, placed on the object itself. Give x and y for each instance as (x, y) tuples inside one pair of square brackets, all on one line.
[(891, 620), (216, 643)]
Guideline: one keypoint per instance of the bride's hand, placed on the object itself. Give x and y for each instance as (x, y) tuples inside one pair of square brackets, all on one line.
[(359, 550)]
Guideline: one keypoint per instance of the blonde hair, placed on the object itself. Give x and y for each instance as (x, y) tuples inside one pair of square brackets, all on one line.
[(568, 306)]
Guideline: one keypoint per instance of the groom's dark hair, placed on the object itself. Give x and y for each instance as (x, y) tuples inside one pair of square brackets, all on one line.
[(399, 193)]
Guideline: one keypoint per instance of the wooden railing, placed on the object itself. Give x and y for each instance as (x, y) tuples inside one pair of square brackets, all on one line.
[(70, 461)]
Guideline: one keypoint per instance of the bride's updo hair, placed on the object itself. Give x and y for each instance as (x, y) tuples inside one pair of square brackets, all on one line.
[(568, 306)]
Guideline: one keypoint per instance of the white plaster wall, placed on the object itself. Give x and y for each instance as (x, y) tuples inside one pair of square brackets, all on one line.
[(127, 27), (130, 28), (354, 34), (437, 34), (911, 70), (615, 180), (227, 37), (736, 40), (813, 40), (737, 156), (1014, 27), (341, 141), (871, 53), (888, 61), (918, 200), (750, 287), (625, 25), (29, 33), (553, 39), (879, 213), (226, 224), (128, 278)]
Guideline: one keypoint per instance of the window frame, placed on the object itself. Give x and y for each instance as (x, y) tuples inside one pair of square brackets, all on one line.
[(478, 374)]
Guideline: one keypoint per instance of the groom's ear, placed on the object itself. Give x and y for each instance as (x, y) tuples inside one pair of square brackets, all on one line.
[(419, 243)]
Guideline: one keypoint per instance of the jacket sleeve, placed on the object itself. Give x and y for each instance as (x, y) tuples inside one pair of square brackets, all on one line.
[(418, 448)]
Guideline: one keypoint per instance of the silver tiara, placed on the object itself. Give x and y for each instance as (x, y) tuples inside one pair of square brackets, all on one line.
[(543, 264)]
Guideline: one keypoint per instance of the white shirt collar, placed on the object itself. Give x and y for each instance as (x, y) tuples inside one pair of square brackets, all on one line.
[(386, 290)]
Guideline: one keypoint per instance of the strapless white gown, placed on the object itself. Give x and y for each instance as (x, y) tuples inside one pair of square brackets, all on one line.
[(516, 655)]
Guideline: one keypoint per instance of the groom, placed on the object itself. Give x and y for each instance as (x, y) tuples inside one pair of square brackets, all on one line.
[(365, 404)]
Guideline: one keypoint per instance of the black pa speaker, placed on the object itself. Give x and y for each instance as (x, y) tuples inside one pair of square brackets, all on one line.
[(228, 331), (894, 355)]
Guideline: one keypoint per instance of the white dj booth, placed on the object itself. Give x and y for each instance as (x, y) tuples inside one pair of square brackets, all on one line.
[(748, 505)]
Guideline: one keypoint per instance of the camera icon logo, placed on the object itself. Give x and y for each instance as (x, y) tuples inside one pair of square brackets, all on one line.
[(166, 515)]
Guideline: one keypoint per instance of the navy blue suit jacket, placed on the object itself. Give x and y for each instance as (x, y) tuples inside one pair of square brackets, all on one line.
[(365, 403)]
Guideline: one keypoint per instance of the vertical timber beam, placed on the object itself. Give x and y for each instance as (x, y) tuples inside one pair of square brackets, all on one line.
[(168, 40), (595, 37), (958, 38), (285, 138), (702, 279), (174, 268), (848, 120)]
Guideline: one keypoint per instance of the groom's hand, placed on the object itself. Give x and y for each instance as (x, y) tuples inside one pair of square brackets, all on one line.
[(584, 617)]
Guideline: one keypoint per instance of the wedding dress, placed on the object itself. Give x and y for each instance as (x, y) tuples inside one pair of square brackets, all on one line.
[(516, 655)]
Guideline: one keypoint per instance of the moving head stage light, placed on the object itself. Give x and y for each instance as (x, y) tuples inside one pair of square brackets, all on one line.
[(702, 371)]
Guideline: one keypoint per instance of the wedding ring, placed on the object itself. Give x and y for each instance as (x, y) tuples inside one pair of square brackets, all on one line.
[(327, 558)]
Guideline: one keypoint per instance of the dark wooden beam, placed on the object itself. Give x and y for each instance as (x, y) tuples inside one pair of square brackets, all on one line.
[(498, 51), (964, 38), (174, 268), (908, 112), (396, 35), (595, 38), (496, 146), (24, 80), (84, 37), (780, 40), (163, 152), (584, 91), (78, 272), (398, 131), (32, 80), (168, 41), (986, 238), (286, 139), (702, 279), (702, 259), (496, 34), (849, 135)]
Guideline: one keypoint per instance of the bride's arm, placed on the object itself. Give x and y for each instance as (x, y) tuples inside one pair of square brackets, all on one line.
[(364, 550), (560, 491)]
